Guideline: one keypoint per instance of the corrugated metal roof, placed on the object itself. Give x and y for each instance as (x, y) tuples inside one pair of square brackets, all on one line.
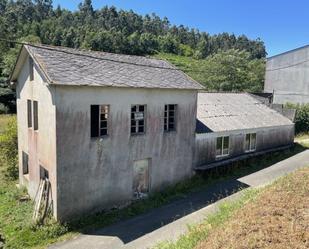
[(66, 66), (235, 111)]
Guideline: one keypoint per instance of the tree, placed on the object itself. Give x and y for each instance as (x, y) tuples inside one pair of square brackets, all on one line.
[(233, 70)]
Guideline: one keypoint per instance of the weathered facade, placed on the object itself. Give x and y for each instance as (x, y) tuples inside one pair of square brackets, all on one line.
[(141, 139), (287, 76), (248, 126)]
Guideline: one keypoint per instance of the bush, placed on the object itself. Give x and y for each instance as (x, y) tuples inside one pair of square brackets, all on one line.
[(301, 118), (3, 109), (8, 149)]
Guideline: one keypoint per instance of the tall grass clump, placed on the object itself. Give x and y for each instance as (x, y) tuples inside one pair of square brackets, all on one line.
[(8, 149)]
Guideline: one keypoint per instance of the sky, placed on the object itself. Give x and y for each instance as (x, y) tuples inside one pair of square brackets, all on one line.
[(282, 25)]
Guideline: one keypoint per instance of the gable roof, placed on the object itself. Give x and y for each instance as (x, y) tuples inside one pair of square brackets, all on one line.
[(234, 111), (67, 66)]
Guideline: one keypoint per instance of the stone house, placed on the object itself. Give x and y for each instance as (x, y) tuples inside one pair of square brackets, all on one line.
[(103, 128)]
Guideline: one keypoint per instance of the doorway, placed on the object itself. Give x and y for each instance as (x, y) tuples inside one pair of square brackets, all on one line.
[(141, 178)]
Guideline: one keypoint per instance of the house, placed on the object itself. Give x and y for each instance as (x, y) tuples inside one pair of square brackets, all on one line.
[(287, 76), (103, 128), (234, 126)]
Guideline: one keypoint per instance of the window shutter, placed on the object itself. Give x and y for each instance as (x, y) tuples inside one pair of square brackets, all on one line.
[(35, 116), (94, 120)]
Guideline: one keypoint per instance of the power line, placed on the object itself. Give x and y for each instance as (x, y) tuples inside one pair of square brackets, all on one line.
[(54, 48)]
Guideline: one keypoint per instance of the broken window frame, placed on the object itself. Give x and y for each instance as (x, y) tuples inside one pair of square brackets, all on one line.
[(224, 148), (250, 142), (170, 112), (101, 118), (138, 126)]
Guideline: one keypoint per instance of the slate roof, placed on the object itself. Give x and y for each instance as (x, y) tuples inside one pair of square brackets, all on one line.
[(218, 112), (67, 66)]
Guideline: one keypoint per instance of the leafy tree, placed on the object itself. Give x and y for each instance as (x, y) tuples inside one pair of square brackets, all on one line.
[(120, 31)]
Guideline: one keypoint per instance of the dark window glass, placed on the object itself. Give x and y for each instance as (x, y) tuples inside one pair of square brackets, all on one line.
[(29, 113), (35, 116), (25, 163)]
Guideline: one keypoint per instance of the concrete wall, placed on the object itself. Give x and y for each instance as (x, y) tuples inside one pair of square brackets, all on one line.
[(288, 76), (40, 145), (98, 173), (266, 138)]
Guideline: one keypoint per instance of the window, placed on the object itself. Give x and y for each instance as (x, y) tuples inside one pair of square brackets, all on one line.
[(250, 143), (99, 120), (29, 113), (138, 119), (30, 69), (169, 117), (222, 148), (35, 116), (25, 163)]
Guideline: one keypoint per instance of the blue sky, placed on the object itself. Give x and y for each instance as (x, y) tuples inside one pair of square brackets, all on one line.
[(282, 25)]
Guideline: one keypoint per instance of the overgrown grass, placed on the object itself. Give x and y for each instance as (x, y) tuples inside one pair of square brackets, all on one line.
[(4, 119), (275, 216), (198, 232), (303, 139), (196, 69), (15, 216)]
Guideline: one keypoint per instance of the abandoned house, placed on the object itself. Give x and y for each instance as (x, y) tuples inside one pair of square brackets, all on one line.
[(234, 126), (103, 128), (287, 76)]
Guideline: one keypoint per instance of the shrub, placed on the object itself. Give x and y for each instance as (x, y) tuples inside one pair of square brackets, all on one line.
[(8, 149), (301, 118), (3, 109)]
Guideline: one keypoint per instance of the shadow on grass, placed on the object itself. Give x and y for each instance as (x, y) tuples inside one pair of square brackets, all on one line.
[(177, 201)]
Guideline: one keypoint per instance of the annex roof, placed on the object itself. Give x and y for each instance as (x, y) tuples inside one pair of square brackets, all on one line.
[(217, 112), (67, 66)]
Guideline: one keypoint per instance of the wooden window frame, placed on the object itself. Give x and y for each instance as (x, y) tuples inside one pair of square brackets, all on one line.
[(137, 123), (223, 149), (251, 148), (167, 117), (99, 114), (105, 111)]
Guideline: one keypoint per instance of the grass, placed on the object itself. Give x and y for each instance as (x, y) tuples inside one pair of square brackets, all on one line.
[(196, 69), (4, 119), (19, 232), (273, 217), (303, 139)]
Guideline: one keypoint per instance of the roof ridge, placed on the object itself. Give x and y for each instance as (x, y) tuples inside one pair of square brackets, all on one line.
[(63, 50)]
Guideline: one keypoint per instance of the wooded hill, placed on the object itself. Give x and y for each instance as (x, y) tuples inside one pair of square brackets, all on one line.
[(112, 30)]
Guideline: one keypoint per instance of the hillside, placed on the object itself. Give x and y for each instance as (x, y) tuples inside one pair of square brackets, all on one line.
[(230, 70), (120, 31)]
